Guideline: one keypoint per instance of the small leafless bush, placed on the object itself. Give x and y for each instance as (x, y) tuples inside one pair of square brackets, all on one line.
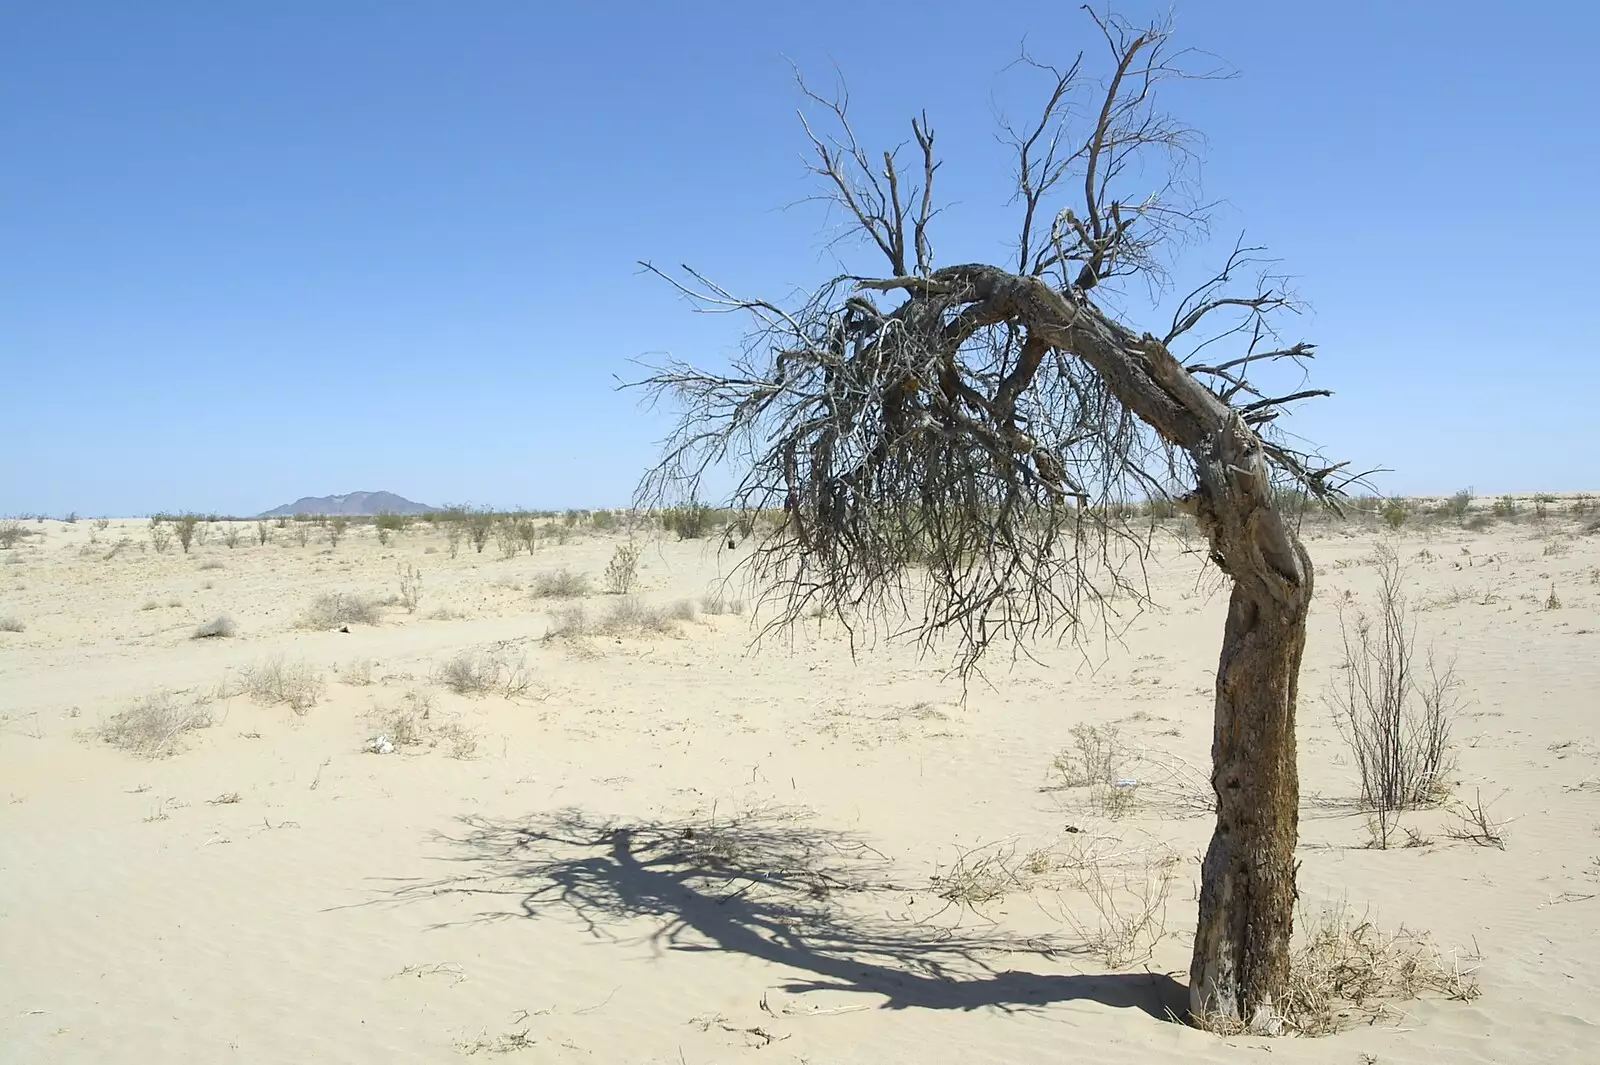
[(418, 723), (410, 587), (230, 535), (1395, 717), (11, 623), (630, 615), (716, 603), (485, 672), (341, 608), (358, 673), (622, 572), (12, 532), (153, 726), (263, 533), (1096, 757), (1474, 824), (560, 584), (220, 626), (211, 564), (160, 535), (568, 622), (274, 681), (185, 526), (1130, 908)]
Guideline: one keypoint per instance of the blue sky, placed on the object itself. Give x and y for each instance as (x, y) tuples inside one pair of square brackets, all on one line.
[(253, 251)]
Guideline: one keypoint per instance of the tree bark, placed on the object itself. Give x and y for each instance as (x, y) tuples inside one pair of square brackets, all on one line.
[(1240, 967)]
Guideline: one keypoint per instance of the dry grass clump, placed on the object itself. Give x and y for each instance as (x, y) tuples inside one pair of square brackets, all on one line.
[(11, 623), (294, 684), (560, 584), (1346, 971), (358, 673), (715, 603), (628, 616), (154, 725), (417, 723), (211, 564), (221, 626), (483, 672), (341, 608)]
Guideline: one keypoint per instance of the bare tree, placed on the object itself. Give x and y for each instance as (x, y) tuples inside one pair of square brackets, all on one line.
[(955, 446)]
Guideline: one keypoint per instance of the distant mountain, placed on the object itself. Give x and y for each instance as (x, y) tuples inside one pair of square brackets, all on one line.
[(356, 504)]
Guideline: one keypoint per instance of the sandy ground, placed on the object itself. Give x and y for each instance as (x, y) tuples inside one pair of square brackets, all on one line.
[(668, 849)]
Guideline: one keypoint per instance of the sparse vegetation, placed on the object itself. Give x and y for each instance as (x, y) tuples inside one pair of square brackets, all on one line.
[(12, 532), (560, 584), (274, 681), (341, 608), (154, 725), (220, 626), (1395, 717), (483, 672), (160, 535), (410, 587), (11, 623), (338, 525), (622, 572), (184, 526)]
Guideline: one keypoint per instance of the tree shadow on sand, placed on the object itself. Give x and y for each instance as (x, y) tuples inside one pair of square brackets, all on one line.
[(767, 885)]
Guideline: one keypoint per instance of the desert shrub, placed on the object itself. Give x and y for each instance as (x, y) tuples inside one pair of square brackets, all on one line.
[(1395, 715), (388, 523), (628, 616), (691, 521), (410, 587), (1477, 523), (230, 535), (1459, 504), (154, 725), (160, 535), (210, 564), (482, 672), (274, 681), (717, 603), (1394, 512), (341, 608), (603, 520), (559, 584), (1096, 756), (453, 533), (337, 527), (263, 533), (480, 525), (220, 626), (622, 572), (1504, 507), (11, 623), (416, 723), (300, 528), (184, 527), (12, 532)]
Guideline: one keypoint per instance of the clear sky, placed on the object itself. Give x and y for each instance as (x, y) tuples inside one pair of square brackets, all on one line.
[(253, 251)]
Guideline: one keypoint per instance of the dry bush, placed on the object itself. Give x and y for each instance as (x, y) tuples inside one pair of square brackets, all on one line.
[(160, 535), (1345, 970), (341, 608), (358, 673), (210, 564), (633, 616), (483, 672), (1130, 907), (337, 527), (716, 603), (11, 623), (154, 725), (568, 622), (1097, 755), (622, 572), (12, 532), (560, 584), (274, 681), (220, 626), (1396, 718), (1474, 824), (410, 587), (263, 533), (417, 723)]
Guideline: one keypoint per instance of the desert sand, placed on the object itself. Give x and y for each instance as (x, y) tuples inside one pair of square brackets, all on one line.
[(669, 847)]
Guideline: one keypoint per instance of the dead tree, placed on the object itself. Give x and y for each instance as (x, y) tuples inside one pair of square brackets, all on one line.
[(957, 445)]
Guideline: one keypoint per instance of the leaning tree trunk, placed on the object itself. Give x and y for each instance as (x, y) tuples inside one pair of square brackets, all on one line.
[(1240, 969)]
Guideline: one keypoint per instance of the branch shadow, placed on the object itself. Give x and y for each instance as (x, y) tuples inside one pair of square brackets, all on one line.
[(766, 885)]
